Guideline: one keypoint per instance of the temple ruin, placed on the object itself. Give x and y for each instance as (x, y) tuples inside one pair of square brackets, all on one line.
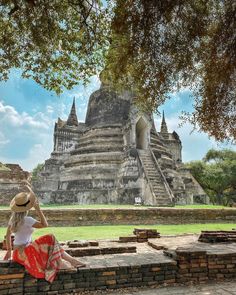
[(115, 157)]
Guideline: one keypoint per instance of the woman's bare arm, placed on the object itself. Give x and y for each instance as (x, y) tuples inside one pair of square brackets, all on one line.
[(43, 221), (8, 243)]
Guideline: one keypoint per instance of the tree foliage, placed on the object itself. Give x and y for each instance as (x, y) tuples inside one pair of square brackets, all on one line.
[(152, 47), (36, 170), (57, 43), (217, 174), (160, 46)]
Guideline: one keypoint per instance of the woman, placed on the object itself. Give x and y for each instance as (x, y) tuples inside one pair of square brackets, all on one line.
[(43, 257)]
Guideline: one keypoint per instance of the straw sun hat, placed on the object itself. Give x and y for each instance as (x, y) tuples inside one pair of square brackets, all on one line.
[(22, 202)]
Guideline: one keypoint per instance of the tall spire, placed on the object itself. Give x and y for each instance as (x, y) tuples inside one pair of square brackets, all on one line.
[(163, 124), (72, 119)]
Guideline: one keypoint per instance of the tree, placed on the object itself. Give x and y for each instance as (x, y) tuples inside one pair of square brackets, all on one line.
[(36, 170), (217, 174), (159, 46), (56, 43), (152, 47), (226, 161)]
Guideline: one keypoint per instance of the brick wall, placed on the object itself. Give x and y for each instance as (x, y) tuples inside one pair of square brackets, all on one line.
[(199, 266), (14, 281), (77, 217), (187, 266)]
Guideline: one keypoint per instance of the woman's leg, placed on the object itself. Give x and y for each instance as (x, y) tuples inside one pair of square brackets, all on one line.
[(63, 255), (71, 259)]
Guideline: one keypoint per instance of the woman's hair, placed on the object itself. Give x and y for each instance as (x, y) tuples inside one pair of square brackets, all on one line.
[(16, 220)]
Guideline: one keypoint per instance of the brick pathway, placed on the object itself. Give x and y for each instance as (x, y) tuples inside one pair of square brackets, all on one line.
[(216, 288)]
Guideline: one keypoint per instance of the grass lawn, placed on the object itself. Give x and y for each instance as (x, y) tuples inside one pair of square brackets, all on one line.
[(114, 231), (97, 206)]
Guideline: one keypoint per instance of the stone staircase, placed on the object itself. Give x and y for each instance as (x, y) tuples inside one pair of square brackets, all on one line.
[(161, 191)]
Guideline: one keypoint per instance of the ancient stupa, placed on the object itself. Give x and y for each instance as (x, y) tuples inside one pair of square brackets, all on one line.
[(115, 157)]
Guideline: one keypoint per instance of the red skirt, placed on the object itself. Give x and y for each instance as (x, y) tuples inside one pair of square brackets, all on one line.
[(41, 258)]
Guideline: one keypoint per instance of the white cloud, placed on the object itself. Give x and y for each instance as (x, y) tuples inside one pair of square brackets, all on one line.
[(31, 136), (9, 115), (37, 154), (49, 109), (3, 139)]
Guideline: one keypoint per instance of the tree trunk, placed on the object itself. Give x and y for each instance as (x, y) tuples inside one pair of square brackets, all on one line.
[(219, 198)]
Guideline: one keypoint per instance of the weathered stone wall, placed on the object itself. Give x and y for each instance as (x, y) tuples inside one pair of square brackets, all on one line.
[(11, 182), (77, 217), (107, 108)]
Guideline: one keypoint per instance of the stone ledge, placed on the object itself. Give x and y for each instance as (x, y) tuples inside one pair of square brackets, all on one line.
[(78, 217)]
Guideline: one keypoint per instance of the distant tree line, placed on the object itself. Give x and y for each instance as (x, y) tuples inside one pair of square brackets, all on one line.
[(216, 173)]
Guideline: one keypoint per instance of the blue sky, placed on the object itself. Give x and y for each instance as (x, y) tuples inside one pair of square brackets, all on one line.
[(28, 113)]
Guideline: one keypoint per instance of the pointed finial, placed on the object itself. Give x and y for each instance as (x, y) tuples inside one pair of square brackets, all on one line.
[(164, 128), (72, 119)]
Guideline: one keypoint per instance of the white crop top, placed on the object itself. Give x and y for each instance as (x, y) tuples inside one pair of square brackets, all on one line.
[(24, 234)]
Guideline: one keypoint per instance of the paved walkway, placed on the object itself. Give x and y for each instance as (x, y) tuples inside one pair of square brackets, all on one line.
[(216, 288)]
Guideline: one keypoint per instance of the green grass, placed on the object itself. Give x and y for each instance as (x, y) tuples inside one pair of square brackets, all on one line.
[(94, 206), (4, 168), (202, 207), (111, 206), (114, 231)]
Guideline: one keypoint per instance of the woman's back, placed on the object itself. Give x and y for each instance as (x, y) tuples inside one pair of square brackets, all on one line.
[(23, 235)]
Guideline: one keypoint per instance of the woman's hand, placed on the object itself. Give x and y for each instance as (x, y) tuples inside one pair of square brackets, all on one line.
[(8, 255)]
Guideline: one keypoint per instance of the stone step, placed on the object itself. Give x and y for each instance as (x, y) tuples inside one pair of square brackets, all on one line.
[(150, 167), (159, 190), (161, 197), (147, 161), (161, 194), (96, 157), (98, 134), (103, 132), (97, 149), (156, 180), (106, 146), (156, 141), (158, 184), (92, 184), (99, 141), (101, 173), (152, 174)]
